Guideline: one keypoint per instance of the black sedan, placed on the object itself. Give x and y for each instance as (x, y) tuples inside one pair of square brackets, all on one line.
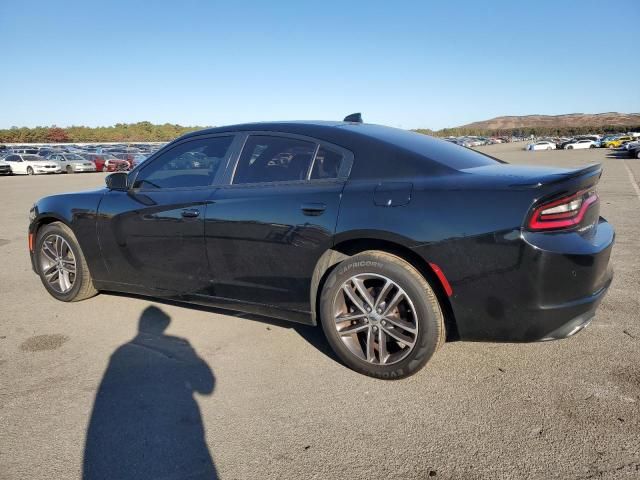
[(391, 240)]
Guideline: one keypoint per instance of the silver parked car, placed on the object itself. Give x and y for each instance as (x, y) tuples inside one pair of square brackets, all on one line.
[(72, 162)]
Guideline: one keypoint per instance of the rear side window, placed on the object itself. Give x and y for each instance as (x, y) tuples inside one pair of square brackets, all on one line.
[(191, 164), (267, 158), (326, 165)]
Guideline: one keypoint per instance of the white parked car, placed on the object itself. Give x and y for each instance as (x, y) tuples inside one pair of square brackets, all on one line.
[(578, 144), (542, 145), (72, 162), (26, 164)]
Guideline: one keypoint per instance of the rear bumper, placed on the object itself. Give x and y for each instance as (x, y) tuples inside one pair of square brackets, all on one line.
[(523, 286), (562, 321)]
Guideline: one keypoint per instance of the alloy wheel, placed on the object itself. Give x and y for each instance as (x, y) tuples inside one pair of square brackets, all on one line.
[(58, 263), (375, 319)]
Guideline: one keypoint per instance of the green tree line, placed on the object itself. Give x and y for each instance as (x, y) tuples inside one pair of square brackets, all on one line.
[(148, 132), (121, 132)]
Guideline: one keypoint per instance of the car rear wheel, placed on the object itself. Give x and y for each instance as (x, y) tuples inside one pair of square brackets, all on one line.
[(29, 171), (381, 316), (569, 148), (69, 169), (61, 264)]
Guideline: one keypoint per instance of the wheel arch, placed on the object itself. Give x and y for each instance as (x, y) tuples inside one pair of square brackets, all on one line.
[(47, 219), (351, 247)]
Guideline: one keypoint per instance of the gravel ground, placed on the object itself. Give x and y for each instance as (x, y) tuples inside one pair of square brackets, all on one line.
[(251, 398)]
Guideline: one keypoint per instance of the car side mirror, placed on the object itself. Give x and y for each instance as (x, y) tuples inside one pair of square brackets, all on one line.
[(117, 181)]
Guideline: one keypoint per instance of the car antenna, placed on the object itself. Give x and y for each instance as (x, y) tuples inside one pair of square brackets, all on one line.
[(354, 117)]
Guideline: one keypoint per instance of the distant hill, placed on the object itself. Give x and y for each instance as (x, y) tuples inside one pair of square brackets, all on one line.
[(571, 120)]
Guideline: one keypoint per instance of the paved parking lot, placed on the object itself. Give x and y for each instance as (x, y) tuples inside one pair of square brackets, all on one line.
[(271, 401)]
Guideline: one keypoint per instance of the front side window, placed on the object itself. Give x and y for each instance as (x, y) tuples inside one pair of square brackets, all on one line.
[(274, 159), (191, 164)]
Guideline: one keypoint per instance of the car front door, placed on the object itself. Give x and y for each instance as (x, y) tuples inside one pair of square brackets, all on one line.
[(267, 227), (152, 236)]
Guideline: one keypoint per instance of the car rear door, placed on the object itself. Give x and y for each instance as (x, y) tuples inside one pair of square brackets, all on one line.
[(152, 236), (266, 229)]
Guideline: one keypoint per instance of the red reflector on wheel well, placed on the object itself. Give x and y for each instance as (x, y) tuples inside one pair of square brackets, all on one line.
[(443, 280), (31, 242)]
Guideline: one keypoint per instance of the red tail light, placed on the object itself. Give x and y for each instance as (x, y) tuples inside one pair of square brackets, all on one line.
[(564, 212)]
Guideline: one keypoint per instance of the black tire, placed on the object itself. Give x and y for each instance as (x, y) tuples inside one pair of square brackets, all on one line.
[(29, 171), (69, 169), (429, 318), (569, 147), (82, 287)]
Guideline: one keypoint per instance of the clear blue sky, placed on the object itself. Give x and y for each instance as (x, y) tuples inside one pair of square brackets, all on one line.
[(409, 64)]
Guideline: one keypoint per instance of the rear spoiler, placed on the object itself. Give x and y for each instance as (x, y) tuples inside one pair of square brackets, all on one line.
[(590, 172)]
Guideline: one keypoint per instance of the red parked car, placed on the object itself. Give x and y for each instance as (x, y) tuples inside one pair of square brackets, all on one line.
[(107, 162)]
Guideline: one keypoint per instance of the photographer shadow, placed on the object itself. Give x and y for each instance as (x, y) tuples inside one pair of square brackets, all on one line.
[(146, 423)]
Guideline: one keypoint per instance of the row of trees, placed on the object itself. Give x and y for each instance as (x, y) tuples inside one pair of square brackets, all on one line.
[(121, 132), (148, 132)]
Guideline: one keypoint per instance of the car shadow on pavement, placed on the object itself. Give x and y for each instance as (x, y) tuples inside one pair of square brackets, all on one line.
[(311, 334), (146, 422)]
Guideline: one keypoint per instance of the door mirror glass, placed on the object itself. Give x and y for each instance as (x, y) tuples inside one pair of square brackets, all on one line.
[(117, 181)]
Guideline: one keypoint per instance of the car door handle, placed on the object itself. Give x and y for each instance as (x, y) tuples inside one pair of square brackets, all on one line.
[(190, 213), (313, 209)]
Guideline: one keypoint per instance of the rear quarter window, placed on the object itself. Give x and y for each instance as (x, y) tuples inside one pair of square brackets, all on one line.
[(430, 148)]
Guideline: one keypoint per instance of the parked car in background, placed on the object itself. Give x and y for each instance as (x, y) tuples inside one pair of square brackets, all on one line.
[(5, 168), (26, 164), (563, 142), (542, 145), (634, 152), (580, 144), (128, 157), (106, 162), (25, 150), (72, 162), (615, 142)]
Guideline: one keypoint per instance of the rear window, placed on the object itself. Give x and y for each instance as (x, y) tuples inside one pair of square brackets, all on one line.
[(440, 151)]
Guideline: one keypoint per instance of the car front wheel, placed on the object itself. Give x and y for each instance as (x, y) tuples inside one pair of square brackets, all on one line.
[(381, 316), (61, 264)]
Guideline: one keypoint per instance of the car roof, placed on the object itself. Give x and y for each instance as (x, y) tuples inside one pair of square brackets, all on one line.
[(351, 135)]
